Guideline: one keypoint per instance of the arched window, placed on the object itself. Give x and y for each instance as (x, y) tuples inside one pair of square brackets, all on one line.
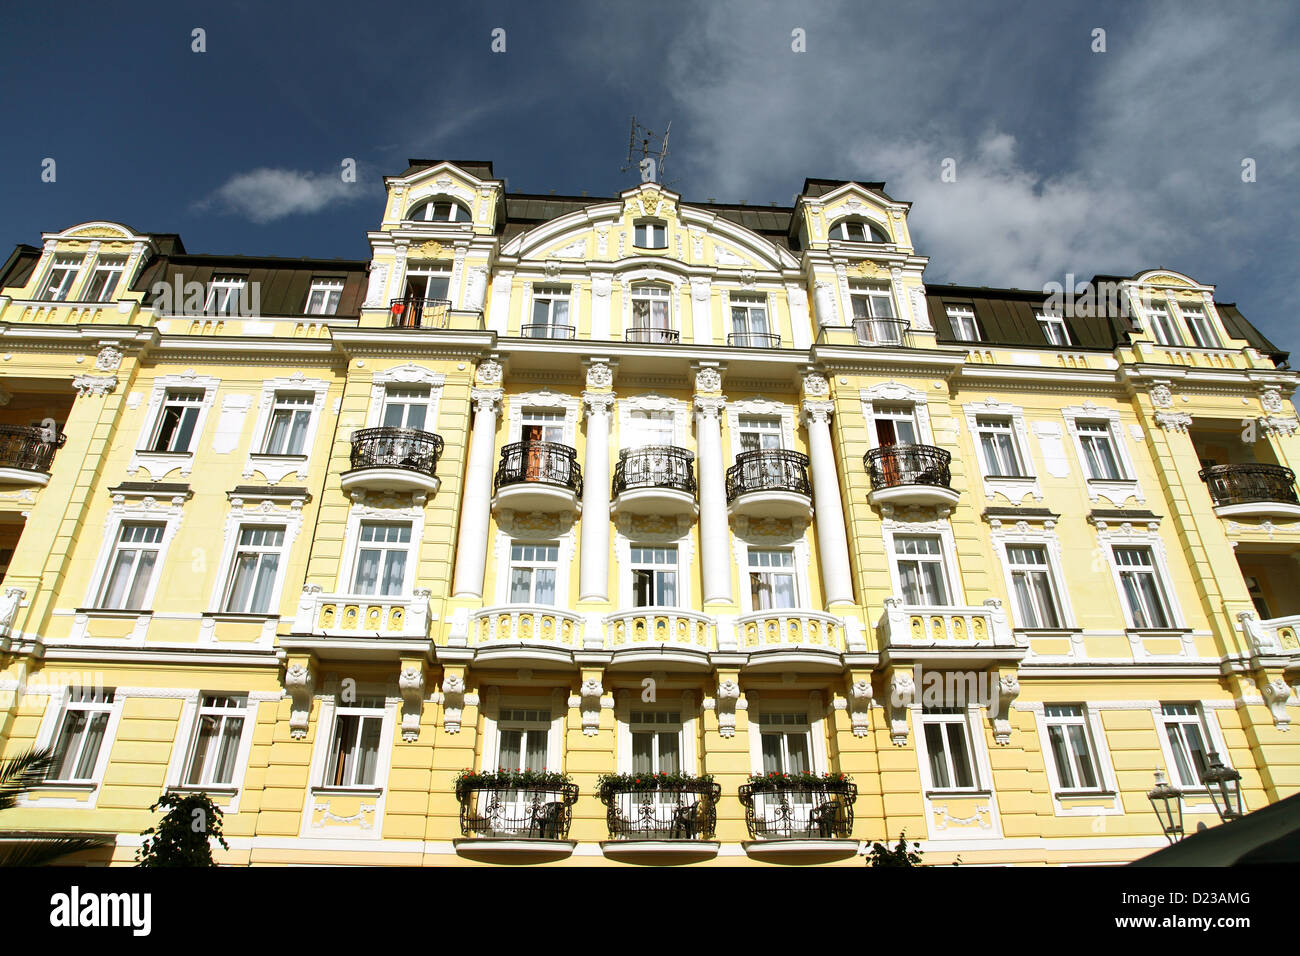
[(651, 234), (858, 230), (438, 210)]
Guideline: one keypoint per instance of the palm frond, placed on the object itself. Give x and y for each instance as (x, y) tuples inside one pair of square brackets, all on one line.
[(43, 852), (23, 772)]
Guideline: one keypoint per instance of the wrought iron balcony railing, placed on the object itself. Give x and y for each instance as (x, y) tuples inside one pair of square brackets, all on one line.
[(904, 464), (406, 448), (754, 340), (677, 810), (786, 809), (417, 312), (541, 461), (1243, 484), (883, 332), (544, 330), (769, 469), (535, 812), (654, 466), (29, 447), (653, 336)]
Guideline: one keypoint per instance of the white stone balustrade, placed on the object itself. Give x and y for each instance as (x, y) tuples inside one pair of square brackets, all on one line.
[(938, 626), (525, 624), (661, 627), (358, 615), (790, 629)]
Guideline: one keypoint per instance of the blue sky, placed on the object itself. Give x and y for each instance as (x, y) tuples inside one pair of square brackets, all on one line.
[(1067, 160)]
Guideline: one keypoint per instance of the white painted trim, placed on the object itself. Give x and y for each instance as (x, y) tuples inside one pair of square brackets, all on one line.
[(316, 788), (275, 468), (1118, 491), (1125, 535), (414, 515), (291, 518), (1013, 489), (895, 393), (148, 511), (185, 744), (1024, 534), (1109, 789), (408, 374), (563, 571), (545, 399), (158, 464), (764, 408), (685, 545), (758, 542), (652, 402), (891, 527)]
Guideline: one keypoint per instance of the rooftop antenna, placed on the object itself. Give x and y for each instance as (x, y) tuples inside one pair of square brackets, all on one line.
[(642, 155)]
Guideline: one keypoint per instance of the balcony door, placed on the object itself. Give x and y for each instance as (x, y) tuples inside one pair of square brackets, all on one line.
[(895, 425), (785, 740), (406, 408), (651, 321), (539, 426), (749, 323), (523, 738)]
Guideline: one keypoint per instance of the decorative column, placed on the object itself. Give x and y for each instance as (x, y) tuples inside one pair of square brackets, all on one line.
[(593, 571), (476, 510), (713, 497), (832, 541)]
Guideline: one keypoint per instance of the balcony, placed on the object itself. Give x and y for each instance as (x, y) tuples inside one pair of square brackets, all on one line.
[(780, 639), (649, 336), (666, 816), (537, 476), (955, 635), (416, 312), (906, 474), (769, 483), (394, 459), (544, 330), (364, 625), (660, 635), (512, 814), (754, 340), (27, 454), (524, 635), (1252, 489), (801, 816), (655, 480), (883, 333)]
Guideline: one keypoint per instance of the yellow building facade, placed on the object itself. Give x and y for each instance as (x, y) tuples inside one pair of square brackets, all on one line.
[(634, 486)]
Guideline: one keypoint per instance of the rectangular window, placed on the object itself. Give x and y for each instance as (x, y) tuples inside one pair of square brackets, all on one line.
[(654, 577), (286, 433), (1143, 592), (921, 570), (104, 278), (1198, 323), (947, 745), (323, 297), (224, 294), (1031, 579), (757, 434), (749, 325), (964, 326), (650, 235), (522, 739), (406, 408), (786, 740), (1072, 749), (81, 734), (354, 751), (1054, 329), (649, 428), (381, 559), (63, 276), (541, 425), (997, 438), (178, 420), (874, 319), (772, 580), (651, 318), (131, 567), (1099, 455), (656, 741), (428, 281), (1162, 326), (550, 314), (253, 573), (533, 572), (1185, 730), (216, 740), (895, 425)]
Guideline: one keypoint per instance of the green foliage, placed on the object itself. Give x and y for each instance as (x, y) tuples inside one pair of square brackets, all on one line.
[(900, 855), (509, 780), (611, 783), (833, 782), (182, 836), (17, 776)]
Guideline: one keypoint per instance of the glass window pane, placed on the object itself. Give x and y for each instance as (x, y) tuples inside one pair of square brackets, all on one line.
[(643, 753), (669, 761), (1082, 755), (223, 769), (772, 760), (797, 744), (511, 750), (207, 732), (545, 586), (143, 575), (1064, 769), (935, 749), (94, 738), (960, 755)]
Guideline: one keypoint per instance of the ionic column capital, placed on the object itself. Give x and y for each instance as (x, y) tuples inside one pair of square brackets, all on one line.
[(710, 406), (817, 411), (598, 403), (488, 400)]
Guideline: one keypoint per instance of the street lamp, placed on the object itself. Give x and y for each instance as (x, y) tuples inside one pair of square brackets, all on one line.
[(1167, 801), (1224, 785)]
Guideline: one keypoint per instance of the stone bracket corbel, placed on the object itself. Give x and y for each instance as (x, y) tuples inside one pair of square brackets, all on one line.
[(1277, 694), (411, 684), (1005, 692), (860, 694), (728, 698), (902, 692), (591, 698), (453, 702), (300, 683)]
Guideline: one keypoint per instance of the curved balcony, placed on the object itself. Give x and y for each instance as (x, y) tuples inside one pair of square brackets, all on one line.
[(1252, 489), (650, 336), (417, 312), (910, 475), (799, 816), (542, 330), (778, 639), (883, 333), (642, 636), (537, 476), (27, 453), (754, 340), (394, 459), (769, 483), (525, 635), (655, 480), (665, 816), (515, 814)]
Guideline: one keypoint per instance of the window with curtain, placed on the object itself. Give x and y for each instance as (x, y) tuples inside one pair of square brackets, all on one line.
[(749, 321), (759, 432), (428, 281), (81, 733), (772, 579), (895, 425), (63, 276), (648, 427), (654, 577), (1072, 748), (533, 571), (997, 438), (921, 572), (948, 749), (286, 432), (1031, 579), (405, 408), (1199, 325), (131, 566), (323, 296), (964, 326), (354, 750), (1144, 594), (1054, 329), (656, 741), (382, 555), (550, 313), (873, 315), (216, 740), (1185, 731), (786, 742), (104, 279), (254, 569), (522, 739), (651, 313), (1099, 455)]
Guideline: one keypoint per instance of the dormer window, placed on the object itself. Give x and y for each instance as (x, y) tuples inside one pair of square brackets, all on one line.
[(323, 297), (858, 230), (651, 234), (1198, 324), (438, 210), (104, 278), (964, 326), (59, 285)]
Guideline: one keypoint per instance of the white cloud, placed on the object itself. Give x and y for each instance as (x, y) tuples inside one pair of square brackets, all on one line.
[(264, 195)]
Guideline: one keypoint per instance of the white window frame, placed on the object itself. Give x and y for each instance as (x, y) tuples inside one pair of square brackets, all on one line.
[(177, 768), (815, 728), (759, 542), (276, 467), (1046, 538), (1118, 490), (551, 294), (542, 401), (652, 228), (137, 548), (1209, 724), (497, 704), (1054, 327), (751, 302), (247, 515), (332, 293), (560, 602), (319, 793), (1130, 537), (623, 545), (748, 570), (1102, 801), (1158, 576), (457, 208), (838, 231), (429, 268), (352, 544), (1013, 489), (759, 408), (872, 294), (68, 699), (1196, 319), (967, 717), (109, 264), (652, 292), (262, 551), (158, 464), (132, 513), (367, 707), (1065, 721), (208, 706), (948, 546), (71, 264), (893, 394), (626, 703), (563, 577), (959, 316), (224, 294), (1048, 570), (673, 567), (1162, 324), (404, 376)]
